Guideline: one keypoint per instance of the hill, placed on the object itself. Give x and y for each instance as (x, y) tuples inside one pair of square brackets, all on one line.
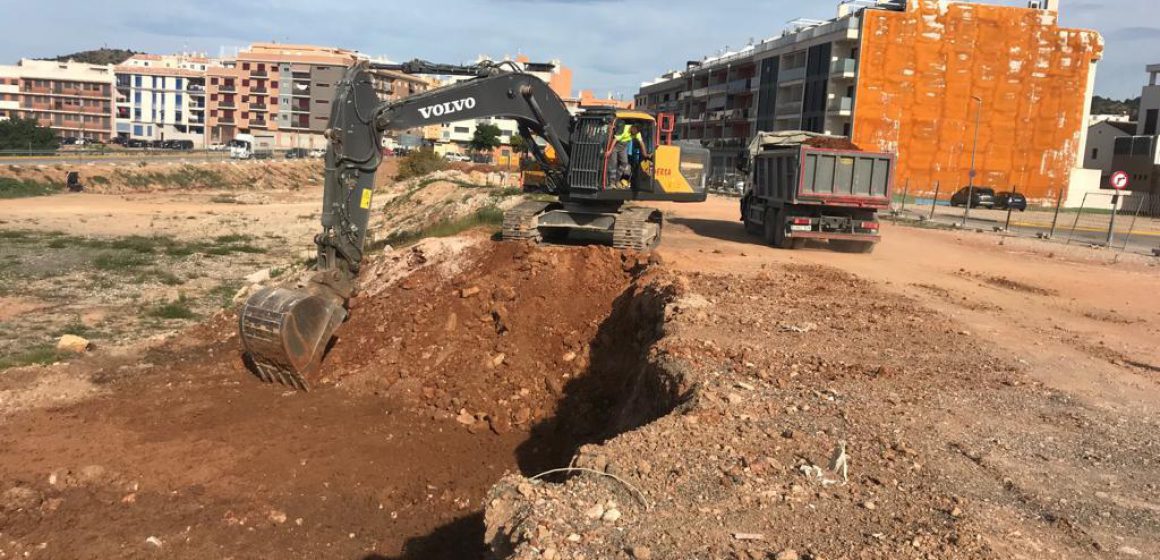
[(98, 56), (1105, 106)]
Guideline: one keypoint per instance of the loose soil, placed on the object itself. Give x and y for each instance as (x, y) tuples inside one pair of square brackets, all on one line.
[(979, 420)]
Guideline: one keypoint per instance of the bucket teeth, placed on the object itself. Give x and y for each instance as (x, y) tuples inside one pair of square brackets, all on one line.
[(285, 333)]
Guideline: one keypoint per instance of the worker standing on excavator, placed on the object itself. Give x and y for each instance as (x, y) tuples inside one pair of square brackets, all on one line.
[(624, 144)]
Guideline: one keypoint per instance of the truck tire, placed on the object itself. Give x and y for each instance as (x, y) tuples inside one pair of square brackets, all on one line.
[(848, 246), (773, 229)]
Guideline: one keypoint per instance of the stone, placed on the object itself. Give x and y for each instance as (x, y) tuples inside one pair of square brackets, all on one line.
[(153, 541), (20, 497), (73, 344), (640, 552), (465, 418), (594, 512), (870, 505), (788, 554), (259, 277), (1129, 551), (569, 357), (612, 516), (469, 292), (277, 516), (573, 538)]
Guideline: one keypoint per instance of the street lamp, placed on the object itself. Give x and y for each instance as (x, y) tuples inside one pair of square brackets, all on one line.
[(974, 150)]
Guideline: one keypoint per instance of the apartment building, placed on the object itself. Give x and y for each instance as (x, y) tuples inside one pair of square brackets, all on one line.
[(285, 91), (73, 98), (908, 76), (1138, 155), (1149, 124), (162, 97)]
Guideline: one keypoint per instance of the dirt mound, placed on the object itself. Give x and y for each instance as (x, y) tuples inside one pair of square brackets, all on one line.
[(441, 199), (832, 143), (110, 177), (498, 345)]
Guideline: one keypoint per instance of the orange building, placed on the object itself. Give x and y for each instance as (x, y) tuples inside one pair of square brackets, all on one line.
[(925, 72), (909, 77)]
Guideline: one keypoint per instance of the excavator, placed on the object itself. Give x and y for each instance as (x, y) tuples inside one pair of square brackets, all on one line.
[(285, 331)]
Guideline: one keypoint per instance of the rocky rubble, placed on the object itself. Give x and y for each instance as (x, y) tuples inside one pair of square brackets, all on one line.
[(790, 446)]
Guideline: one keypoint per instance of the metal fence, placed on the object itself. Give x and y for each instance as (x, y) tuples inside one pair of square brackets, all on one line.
[(1132, 224)]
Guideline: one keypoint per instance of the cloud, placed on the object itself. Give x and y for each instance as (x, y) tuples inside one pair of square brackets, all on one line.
[(612, 45), (1136, 34)]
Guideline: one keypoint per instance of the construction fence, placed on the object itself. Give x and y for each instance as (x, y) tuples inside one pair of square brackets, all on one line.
[(1128, 222)]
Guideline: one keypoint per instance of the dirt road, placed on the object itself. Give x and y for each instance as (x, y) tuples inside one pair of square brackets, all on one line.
[(1010, 414)]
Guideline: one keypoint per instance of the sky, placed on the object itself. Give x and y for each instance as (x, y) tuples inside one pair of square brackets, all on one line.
[(611, 45)]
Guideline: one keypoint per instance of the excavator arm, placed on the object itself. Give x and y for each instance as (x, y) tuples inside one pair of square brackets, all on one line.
[(285, 332)]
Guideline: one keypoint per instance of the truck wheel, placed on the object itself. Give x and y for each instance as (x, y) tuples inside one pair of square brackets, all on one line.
[(798, 243), (772, 227), (847, 246)]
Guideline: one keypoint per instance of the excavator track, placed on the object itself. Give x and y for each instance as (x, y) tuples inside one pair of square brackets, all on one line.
[(638, 229), (521, 223)]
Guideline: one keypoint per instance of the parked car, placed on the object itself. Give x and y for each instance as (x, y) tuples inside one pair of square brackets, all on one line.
[(135, 143), (120, 140), (983, 197), (456, 157), (317, 153), (178, 144), (218, 147), (1012, 200), (297, 153)]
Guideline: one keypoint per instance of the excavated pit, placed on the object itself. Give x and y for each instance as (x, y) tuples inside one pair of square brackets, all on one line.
[(528, 352)]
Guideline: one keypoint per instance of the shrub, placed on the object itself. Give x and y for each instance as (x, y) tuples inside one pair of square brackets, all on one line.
[(419, 163)]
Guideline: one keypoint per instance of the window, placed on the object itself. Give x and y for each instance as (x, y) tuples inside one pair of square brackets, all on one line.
[(178, 83), (137, 98), (1150, 124), (461, 130), (1095, 153), (138, 130), (137, 81)]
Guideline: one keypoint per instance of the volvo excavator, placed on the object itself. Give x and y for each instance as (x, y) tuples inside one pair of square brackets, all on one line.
[(285, 332)]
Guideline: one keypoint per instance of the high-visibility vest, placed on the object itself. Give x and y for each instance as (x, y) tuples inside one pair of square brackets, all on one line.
[(625, 136)]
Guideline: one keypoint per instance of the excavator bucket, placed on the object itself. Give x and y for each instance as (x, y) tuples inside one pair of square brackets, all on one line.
[(285, 333)]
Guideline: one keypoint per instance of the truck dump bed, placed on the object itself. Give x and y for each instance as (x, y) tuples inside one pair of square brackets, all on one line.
[(808, 175)]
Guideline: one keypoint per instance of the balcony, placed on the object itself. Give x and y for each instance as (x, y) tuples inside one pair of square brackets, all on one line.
[(228, 105), (845, 68), (227, 89), (740, 86), (791, 74), (259, 106), (791, 108), (226, 120), (259, 74), (843, 106)]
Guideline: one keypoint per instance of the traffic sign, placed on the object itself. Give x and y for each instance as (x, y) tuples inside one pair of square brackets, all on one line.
[(1119, 180)]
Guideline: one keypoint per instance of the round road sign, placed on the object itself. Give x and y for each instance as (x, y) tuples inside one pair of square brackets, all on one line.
[(1119, 180)]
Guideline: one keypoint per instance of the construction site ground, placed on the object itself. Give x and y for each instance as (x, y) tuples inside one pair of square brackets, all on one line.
[(992, 401)]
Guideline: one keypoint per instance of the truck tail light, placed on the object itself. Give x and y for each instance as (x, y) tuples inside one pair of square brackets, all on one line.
[(800, 221), (872, 226)]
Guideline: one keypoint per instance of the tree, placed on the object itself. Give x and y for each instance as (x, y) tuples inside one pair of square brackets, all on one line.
[(23, 134), (1106, 106), (519, 145), (486, 138), (419, 163)]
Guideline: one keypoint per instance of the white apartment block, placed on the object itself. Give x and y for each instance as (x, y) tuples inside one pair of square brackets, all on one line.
[(162, 97)]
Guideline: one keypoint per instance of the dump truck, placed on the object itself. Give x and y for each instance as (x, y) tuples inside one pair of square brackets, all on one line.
[(804, 186)]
